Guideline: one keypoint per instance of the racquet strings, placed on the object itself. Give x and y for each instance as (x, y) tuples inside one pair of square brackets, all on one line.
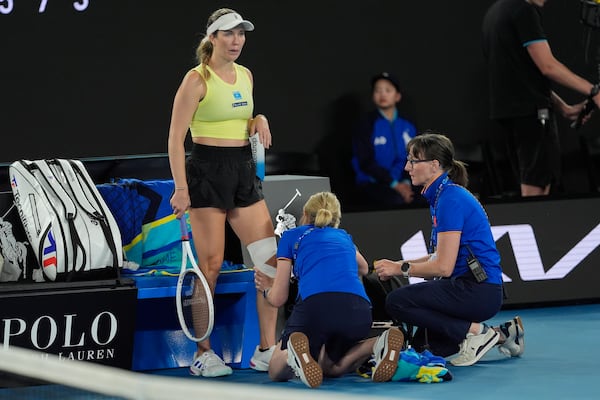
[(195, 305)]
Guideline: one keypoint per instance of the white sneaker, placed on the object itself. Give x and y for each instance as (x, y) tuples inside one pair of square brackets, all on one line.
[(514, 345), (209, 365), (474, 347), (386, 351), (299, 359), (260, 360)]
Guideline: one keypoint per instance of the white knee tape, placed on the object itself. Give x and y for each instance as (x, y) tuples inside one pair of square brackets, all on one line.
[(260, 252)]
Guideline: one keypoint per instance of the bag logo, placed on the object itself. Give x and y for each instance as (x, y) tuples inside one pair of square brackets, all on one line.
[(49, 251)]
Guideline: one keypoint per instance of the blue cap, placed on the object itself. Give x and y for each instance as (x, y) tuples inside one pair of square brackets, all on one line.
[(388, 77)]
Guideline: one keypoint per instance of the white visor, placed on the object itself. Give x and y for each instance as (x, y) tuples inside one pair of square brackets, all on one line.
[(229, 21)]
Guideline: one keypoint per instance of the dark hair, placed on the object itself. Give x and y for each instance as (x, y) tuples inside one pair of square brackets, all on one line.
[(435, 146)]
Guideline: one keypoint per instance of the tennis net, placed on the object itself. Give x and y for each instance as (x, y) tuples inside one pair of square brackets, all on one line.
[(82, 380)]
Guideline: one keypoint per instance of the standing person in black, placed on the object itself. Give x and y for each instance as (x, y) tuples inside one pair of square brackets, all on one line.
[(521, 70)]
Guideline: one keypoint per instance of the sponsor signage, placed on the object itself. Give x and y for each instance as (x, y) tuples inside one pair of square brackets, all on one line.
[(549, 248), (90, 320), (92, 323)]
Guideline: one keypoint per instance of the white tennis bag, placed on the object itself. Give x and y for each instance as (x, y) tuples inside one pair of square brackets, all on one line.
[(67, 222)]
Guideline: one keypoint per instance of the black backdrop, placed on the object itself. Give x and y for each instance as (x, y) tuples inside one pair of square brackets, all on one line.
[(100, 82)]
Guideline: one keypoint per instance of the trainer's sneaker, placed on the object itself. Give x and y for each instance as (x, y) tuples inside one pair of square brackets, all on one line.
[(209, 365), (514, 345), (386, 351), (474, 347), (260, 360), (300, 360)]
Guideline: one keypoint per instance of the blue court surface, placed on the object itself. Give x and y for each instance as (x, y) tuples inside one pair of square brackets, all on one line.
[(561, 361)]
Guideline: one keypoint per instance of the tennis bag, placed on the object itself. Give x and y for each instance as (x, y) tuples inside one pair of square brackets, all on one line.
[(68, 224), (377, 291)]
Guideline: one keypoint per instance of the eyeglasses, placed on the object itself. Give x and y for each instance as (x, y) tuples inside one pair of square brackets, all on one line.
[(414, 161)]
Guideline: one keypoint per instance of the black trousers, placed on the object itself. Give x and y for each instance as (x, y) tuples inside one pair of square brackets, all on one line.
[(445, 308)]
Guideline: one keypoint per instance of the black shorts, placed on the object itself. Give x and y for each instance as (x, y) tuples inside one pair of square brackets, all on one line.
[(533, 149), (336, 320), (222, 177)]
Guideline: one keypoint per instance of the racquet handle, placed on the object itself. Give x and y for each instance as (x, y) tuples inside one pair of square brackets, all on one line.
[(184, 230)]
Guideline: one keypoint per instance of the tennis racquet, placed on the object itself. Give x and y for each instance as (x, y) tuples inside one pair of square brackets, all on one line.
[(194, 299)]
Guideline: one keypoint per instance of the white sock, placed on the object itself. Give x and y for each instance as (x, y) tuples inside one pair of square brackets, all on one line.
[(482, 328)]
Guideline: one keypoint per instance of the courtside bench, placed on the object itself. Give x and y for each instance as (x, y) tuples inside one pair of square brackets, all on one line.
[(159, 342)]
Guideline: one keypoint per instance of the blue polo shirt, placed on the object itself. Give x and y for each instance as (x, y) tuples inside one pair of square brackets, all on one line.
[(379, 149), (325, 260), (454, 209)]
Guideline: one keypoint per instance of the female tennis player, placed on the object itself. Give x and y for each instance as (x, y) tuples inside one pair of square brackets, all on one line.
[(217, 183)]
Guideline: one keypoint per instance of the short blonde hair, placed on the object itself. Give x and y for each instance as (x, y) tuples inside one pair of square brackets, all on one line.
[(322, 209)]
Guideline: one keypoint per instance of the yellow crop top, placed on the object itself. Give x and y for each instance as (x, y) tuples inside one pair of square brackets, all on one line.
[(224, 111)]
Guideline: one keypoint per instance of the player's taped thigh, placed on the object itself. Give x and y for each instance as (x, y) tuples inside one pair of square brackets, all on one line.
[(262, 251)]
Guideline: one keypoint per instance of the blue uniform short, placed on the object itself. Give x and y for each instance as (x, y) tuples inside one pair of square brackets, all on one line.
[(337, 320)]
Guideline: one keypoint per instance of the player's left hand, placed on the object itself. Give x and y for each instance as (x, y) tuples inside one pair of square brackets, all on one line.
[(260, 127)]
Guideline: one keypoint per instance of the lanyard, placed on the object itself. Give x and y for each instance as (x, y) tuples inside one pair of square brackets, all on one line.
[(433, 209), (297, 244)]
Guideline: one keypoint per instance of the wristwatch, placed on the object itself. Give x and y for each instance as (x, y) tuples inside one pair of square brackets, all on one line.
[(405, 268)]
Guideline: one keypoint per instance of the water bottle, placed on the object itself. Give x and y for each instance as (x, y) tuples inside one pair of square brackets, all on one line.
[(258, 154)]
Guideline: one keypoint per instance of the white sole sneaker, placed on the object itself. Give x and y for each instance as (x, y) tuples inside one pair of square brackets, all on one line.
[(260, 359), (387, 350), (474, 347), (514, 345), (209, 365), (300, 360)]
